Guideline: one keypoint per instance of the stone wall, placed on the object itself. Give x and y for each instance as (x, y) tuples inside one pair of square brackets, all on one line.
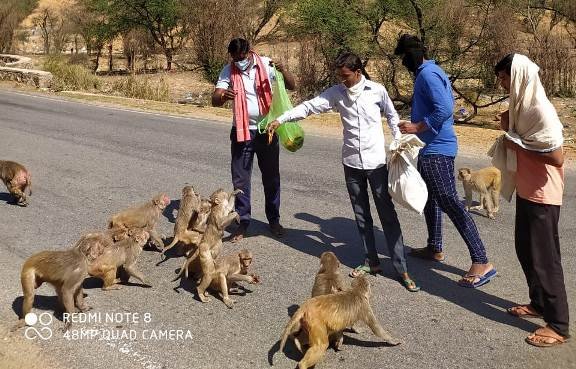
[(14, 68)]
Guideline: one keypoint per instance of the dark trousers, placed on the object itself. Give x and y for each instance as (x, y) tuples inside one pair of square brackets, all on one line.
[(538, 250), (438, 173), (241, 168), (357, 181)]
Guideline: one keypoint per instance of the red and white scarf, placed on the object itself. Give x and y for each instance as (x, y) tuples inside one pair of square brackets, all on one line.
[(263, 94)]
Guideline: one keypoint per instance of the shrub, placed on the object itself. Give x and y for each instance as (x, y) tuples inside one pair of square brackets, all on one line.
[(143, 88), (70, 77)]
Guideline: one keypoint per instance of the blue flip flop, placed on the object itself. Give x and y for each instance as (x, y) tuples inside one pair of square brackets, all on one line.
[(483, 279)]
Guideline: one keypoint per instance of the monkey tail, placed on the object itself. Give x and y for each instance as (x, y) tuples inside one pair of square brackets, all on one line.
[(292, 327)]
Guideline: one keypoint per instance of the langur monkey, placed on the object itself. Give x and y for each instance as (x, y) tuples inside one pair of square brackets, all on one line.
[(17, 180), (486, 182), (325, 316)]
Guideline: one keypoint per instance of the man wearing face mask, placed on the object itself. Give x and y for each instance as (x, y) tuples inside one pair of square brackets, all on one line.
[(432, 121), (361, 104), (246, 81)]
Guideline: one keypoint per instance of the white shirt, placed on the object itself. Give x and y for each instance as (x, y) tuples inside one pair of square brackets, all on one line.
[(363, 141), (249, 80)]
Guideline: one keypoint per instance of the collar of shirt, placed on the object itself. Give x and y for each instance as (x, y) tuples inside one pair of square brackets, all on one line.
[(424, 65)]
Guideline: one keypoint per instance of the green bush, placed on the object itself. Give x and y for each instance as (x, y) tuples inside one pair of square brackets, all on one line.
[(70, 77), (143, 88)]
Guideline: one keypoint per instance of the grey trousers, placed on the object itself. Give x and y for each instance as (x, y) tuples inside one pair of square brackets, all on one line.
[(357, 181)]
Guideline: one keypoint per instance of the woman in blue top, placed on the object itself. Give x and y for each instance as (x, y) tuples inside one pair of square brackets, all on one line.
[(432, 121)]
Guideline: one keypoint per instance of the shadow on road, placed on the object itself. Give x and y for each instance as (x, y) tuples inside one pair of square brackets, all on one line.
[(41, 302), (7, 198), (169, 210), (340, 235)]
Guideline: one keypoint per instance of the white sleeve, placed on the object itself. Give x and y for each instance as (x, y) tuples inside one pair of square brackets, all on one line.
[(387, 108), (317, 105), (224, 78)]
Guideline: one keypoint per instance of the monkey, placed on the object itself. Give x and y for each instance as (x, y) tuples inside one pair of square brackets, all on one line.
[(196, 229), (17, 180), (221, 215), (189, 205), (123, 253), (144, 216), (231, 268), (65, 270), (323, 316), (328, 279), (487, 182)]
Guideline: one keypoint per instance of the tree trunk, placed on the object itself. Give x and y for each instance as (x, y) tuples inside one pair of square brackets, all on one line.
[(110, 64), (168, 53), (98, 53)]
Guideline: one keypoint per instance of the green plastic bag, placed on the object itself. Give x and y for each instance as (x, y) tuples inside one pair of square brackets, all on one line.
[(291, 135)]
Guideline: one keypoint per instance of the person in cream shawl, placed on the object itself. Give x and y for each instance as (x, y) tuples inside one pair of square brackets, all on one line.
[(530, 157)]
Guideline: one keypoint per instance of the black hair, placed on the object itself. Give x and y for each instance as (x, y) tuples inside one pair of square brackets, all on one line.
[(408, 43), (350, 61), (238, 45), (505, 65)]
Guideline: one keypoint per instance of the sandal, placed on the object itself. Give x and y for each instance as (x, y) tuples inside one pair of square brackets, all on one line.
[(545, 337), (477, 279), (410, 285), (523, 311), (363, 270)]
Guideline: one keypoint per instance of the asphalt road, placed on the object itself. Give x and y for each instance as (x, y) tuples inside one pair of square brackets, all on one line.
[(88, 162)]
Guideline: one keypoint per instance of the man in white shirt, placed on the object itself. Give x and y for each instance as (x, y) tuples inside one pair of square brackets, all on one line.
[(361, 104), (246, 81)]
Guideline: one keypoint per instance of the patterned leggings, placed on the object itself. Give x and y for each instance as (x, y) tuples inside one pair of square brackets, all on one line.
[(438, 173)]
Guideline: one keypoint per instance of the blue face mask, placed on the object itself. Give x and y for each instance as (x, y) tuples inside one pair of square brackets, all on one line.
[(243, 64)]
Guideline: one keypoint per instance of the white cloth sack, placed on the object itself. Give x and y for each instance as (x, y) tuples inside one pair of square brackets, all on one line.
[(534, 123), (405, 185)]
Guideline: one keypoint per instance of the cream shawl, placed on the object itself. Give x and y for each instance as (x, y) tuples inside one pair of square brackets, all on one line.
[(534, 123)]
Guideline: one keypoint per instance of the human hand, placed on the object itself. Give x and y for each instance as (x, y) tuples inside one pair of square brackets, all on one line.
[(228, 94), (272, 127), (409, 127), (279, 66)]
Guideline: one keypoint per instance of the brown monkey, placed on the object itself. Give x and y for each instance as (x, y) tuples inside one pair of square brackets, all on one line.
[(189, 205), (144, 216), (65, 270), (487, 182), (326, 315), (221, 215), (231, 268), (123, 253), (17, 179), (328, 279)]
